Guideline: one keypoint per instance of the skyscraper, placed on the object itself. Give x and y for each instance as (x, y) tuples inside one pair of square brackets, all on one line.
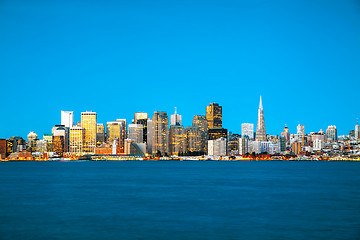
[(247, 129), (175, 119), (300, 132), (160, 131), (331, 133), (142, 118), (286, 134), (136, 132), (89, 122), (149, 134), (77, 137), (200, 122), (177, 139), (67, 118), (260, 129), (214, 115), (195, 139), (357, 131)]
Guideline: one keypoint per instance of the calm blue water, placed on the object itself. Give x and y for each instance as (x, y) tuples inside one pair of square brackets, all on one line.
[(179, 200)]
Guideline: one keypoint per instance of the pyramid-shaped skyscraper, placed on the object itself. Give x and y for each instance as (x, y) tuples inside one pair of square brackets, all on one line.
[(260, 129)]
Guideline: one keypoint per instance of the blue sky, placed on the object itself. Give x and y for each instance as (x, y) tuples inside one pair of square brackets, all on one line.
[(121, 57)]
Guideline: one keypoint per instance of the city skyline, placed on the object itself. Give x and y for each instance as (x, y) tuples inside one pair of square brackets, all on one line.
[(121, 57), (188, 122)]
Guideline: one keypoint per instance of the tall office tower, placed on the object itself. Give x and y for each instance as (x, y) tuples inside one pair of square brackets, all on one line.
[(260, 128), (217, 147), (331, 133), (177, 139), (160, 131), (61, 130), (67, 118), (149, 137), (175, 119), (214, 115), (195, 139), (247, 129), (117, 131), (243, 145), (58, 145), (357, 131), (286, 134), (142, 118), (300, 132), (88, 122), (77, 138), (201, 122), (100, 133), (136, 132)]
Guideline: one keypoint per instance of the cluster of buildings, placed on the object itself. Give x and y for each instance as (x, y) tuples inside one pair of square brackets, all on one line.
[(161, 136)]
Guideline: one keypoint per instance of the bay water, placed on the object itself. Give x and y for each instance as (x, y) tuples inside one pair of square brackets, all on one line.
[(180, 200)]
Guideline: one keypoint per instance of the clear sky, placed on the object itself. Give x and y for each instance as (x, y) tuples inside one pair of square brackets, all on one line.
[(121, 57)]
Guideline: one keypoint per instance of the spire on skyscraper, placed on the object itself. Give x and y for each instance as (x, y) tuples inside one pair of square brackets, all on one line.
[(260, 105)]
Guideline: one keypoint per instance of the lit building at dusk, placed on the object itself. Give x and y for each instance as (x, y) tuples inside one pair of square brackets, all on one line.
[(177, 139), (214, 116), (260, 129), (77, 139), (89, 123), (160, 132)]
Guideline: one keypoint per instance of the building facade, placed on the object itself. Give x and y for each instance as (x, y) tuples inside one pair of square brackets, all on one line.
[(217, 147), (160, 132), (247, 129), (177, 139), (67, 118), (89, 123), (331, 133), (77, 139), (214, 116), (136, 132), (175, 119), (260, 128)]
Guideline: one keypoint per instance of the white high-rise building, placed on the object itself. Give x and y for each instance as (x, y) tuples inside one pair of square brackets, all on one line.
[(357, 131), (217, 147), (331, 133), (318, 144), (243, 145), (67, 118), (175, 119), (300, 131), (247, 129)]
